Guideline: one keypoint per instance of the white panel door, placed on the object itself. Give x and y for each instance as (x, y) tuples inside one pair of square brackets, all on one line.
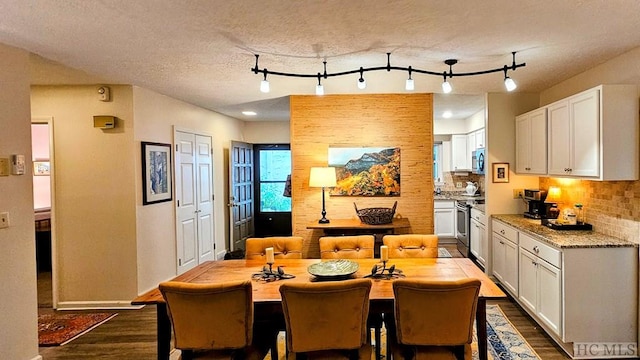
[(559, 132), (204, 196), (549, 290), (528, 280), (194, 200), (186, 201)]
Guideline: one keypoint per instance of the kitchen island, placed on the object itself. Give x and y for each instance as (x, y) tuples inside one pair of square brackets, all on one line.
[(580, 286)]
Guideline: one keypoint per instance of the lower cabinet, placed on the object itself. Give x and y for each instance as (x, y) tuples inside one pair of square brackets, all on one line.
[(540, 286), (504, 241), (444, 218), (578, 294), (479, 245)]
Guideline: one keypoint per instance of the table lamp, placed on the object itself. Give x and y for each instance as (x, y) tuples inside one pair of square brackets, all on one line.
[(553, 196), (322, 177)]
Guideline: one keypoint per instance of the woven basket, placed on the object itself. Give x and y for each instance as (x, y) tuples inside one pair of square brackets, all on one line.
[(376, 216)]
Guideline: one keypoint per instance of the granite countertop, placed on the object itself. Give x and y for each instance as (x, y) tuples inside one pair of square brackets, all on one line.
[(455, 195), (562, 238)]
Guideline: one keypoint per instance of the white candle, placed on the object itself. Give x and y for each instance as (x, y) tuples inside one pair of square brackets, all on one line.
[(384, 253), (269, 253)]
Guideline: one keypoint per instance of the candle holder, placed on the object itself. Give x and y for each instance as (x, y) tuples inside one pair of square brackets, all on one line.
[(267, 274), (381, 272)]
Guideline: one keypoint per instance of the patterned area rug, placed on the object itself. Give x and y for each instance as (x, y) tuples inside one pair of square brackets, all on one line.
[(58, 329), (443, 253), (505, 342)]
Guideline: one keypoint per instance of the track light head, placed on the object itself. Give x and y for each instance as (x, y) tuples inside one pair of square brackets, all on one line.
[(264, 84), (319, 87), (362, 83), (508, 82)]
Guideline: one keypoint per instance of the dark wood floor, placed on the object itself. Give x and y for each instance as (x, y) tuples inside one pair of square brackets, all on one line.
[(132, 334)]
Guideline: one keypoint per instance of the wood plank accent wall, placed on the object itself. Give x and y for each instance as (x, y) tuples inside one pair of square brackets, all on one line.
[(394, 120)]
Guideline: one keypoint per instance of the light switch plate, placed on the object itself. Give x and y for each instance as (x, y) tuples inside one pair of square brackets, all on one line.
[(4, 167), (4, 220)]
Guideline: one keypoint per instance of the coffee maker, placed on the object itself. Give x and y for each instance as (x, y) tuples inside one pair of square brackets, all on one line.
[(537, 208)]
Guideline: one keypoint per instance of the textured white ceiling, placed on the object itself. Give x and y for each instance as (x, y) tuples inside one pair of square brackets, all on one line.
[(201, 51)]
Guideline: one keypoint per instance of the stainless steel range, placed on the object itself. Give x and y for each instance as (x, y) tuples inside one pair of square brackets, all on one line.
[(463, 223)]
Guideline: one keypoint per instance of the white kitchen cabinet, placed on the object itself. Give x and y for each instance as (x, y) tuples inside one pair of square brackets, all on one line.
[(568, 290), (505, 256), (540, 282), (478, 243), (480, 138), (471, 142), (444, 218), (594, 134), (460, 157), (531, 142)]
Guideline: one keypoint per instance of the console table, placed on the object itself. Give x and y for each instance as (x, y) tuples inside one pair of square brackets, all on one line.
[(353, 226)]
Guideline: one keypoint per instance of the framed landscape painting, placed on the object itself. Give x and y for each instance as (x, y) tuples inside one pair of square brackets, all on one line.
[(156, 173), (366, 171)]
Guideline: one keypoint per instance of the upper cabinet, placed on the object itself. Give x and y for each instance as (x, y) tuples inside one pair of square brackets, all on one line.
[(460, 155), (591, 135), (531, 142)]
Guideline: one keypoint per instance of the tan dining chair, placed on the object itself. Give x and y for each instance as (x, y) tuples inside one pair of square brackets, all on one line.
[(353, 247), (215, 321), (284, 247), (434, 319), (327, 320), (347, 247), (411, 246)]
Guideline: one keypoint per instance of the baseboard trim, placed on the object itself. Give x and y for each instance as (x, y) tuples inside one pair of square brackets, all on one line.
[(97, 305)]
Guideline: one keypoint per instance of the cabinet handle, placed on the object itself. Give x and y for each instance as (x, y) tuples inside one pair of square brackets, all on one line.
[(536, 249), (501, 242), (534, 263), (502, 232)]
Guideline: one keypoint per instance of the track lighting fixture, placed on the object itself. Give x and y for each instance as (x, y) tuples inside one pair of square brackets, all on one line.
[(264, 84), (362, 83), (409, 85), (508, 82), (319, 87), (446, 85)]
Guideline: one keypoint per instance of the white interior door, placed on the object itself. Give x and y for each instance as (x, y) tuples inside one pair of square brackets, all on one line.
[(204, 196), (194, 200), (240, 194)]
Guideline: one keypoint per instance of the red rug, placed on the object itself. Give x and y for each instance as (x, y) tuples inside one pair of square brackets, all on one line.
[(58, 329)]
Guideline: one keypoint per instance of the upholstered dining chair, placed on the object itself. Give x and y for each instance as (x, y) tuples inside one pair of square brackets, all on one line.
[(284, 247), (215, 321), (411, 246), (434, 319), (353, 247), (347, 247), (327, 320)]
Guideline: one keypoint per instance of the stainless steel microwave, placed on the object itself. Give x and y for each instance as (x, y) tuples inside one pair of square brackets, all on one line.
[(477, 161)]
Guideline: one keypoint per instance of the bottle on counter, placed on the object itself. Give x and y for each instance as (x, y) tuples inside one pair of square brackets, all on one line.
[(580, 215)]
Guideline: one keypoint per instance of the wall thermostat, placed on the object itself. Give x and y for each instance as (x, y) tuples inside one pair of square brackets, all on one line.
[(17, 164), (104, 94)]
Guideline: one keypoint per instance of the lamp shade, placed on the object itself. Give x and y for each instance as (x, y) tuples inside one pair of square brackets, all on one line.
[(553, 195), (322, 177)]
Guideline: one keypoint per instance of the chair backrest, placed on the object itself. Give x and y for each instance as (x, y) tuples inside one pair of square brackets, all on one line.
[(435, 312), (347, 247), (411, 246), (284, 247), (210, 316), (327, 315)]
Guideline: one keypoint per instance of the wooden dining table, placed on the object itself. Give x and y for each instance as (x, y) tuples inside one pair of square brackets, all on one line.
[(266, 295)]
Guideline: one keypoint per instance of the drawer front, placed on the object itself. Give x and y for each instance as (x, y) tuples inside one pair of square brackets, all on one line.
[(549, 254), (505, 230), (479, 216), (443, 204)]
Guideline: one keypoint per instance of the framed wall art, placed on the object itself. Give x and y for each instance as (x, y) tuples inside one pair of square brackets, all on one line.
[(156, 173), (366, 171), (500, 172)]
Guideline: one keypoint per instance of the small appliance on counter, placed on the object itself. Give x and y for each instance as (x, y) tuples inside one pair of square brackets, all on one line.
[(537, 208), (568, 221)]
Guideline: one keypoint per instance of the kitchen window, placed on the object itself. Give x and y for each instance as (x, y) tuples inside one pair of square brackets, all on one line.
[(438, 176)]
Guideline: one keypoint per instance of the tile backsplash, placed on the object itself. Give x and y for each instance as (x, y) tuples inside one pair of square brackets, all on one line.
[(612, 207), (450, 180)]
